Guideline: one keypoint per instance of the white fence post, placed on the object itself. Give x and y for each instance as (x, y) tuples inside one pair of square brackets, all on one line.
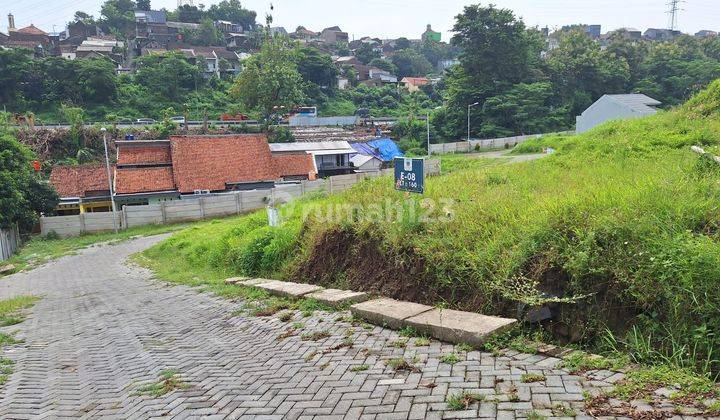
[(82, 223), (163, 215)]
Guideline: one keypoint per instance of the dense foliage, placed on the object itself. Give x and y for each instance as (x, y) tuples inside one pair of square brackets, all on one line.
[(520, 92), (617, 233), (22, 194)]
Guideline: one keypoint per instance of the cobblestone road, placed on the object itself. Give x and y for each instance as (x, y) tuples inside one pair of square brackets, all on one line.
[(104, 329)]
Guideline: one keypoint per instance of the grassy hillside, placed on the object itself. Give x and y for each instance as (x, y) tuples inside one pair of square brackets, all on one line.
[(616, 233)]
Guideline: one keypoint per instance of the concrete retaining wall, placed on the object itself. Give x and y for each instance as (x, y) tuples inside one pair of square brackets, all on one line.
[(207, 207), (300, 121), (498, 143)]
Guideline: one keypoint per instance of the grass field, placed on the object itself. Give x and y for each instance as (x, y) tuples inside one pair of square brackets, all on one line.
[(38, 250), (616, 233)]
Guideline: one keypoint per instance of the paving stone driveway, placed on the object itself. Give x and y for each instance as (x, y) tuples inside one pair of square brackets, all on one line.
[(104, 328)]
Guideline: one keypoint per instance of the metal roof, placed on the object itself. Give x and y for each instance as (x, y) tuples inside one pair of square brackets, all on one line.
[(636, 101), (334, 146)]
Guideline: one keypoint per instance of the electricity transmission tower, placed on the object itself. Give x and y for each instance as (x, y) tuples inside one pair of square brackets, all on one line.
[(673, 9)]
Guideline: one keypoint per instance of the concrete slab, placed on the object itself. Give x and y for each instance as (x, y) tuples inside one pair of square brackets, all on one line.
[(337, 297), (288, 289), (388, 312), (255, 282), (236, 280), (458, 326)]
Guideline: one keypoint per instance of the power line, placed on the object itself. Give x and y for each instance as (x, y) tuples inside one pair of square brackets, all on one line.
[(673, 9)]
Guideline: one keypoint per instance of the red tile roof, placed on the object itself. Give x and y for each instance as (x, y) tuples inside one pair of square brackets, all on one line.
[(416, 81), (203, 162), (31, 30), (295, 164), (144, 154), (139, 180), (76, 181)]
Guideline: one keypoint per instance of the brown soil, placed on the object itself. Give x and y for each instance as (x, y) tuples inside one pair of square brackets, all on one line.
[(346, 259)]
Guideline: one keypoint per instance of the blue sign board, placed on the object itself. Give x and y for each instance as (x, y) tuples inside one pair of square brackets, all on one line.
[(409, 175)]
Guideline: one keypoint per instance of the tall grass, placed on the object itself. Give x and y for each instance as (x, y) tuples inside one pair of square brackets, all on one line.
[(625, 216)]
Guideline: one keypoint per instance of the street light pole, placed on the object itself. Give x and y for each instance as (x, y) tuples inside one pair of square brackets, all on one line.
[(427, 120), (110, 186), (468, 115)]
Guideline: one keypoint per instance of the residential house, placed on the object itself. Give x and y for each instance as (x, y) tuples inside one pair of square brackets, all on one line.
[(235, 162), (430, 35), (218, 60), (362, 70), (443, 65), (152, 30), (334, 35), (82, 188), (375, 154), (412, 84), (237, 41), (594, 31), (305, 35), (278, 30), (228, 27), (378, 77), (330, 157), (100, 46), (705, 34), (32, 38), (152, 171), (614, 107), (654, 34)]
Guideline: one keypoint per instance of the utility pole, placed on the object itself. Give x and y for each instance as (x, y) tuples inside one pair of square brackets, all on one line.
[(110, 186), (468, 115), (427, 120), (673, 9)]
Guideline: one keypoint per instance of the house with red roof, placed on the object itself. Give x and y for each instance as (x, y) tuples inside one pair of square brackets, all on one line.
[(29, 37), (152, 171), (82, 188), (412, 84)]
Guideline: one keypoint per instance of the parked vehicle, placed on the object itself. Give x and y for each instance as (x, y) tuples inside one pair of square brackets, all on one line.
[(178, 119), (235, 117), (307, 111), (145, 121)]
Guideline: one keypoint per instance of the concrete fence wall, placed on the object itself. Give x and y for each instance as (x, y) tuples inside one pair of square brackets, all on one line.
[(498, 143), (199, 208), (9, 242)]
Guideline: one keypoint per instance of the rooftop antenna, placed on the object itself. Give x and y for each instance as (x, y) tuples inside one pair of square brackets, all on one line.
[(673, 11)]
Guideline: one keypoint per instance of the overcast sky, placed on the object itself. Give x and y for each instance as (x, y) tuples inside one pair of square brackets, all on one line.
[(395, 18)]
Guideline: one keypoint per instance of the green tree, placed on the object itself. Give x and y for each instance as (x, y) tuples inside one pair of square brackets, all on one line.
[(232, 10), (582, 72), (383, 64), (411, 63), (526, 108), (270, 78), (189, 14), (118, 16), (317, 67), (22, 195), (97, 80), (366, 53), (170, 76), (402, 43), (143, 4)]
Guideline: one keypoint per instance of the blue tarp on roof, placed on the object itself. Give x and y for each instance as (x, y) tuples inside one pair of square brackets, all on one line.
[(383, 149)]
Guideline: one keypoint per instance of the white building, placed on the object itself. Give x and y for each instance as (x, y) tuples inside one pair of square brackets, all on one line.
[(615, 107)]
